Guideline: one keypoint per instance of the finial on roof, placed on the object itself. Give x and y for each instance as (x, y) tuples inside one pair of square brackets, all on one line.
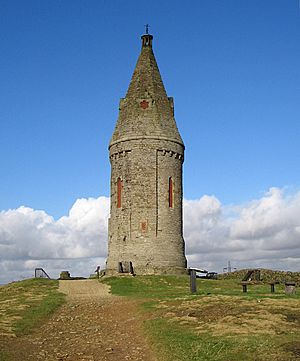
[(147, 38)]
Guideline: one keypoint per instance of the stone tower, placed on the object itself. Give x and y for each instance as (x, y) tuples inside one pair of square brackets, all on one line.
[(146, 154)]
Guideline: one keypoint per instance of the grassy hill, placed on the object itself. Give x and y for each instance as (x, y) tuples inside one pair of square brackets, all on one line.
[(219, 322), (25, 304)]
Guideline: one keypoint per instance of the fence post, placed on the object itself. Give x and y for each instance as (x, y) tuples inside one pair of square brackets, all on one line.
[(193, 285)]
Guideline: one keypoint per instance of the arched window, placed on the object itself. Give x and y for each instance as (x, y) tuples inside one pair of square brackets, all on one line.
[(119, 192), (171, 193)]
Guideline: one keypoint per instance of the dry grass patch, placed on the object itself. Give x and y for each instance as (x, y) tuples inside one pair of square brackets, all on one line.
[(224, 315), (24, 303), (219, 322)]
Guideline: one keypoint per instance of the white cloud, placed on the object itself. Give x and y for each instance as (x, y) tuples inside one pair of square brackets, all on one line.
[(31, 237), (262, 233)]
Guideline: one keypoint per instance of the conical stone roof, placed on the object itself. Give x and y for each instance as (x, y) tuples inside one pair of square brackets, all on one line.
[(146, 111)]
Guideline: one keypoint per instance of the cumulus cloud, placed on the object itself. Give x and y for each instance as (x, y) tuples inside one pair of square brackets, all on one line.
[(262, 233), (31, 238)]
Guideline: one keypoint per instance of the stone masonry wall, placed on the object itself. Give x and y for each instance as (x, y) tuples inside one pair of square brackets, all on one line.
[(145, 230)]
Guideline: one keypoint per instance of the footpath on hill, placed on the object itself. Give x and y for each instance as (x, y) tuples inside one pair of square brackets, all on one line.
[(92, 325)]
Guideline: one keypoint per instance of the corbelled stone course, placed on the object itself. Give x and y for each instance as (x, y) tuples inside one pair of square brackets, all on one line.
[(146, 151)]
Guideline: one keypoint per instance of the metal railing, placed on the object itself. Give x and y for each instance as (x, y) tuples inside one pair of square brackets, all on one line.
[(40, 273)]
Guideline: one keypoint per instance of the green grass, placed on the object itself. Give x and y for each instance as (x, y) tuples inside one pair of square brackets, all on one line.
[(38, 312), (30, 302), (178, 286), (233, 287), (149, 286), (166, 301), (176, 343), (180, 344), (4, 356)]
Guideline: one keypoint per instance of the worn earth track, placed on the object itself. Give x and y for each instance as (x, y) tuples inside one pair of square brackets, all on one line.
[(93, 325)]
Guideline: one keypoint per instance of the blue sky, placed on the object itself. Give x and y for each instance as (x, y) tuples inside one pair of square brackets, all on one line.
[(232, 67)]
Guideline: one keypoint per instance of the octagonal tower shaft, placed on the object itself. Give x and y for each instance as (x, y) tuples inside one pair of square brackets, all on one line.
[(146, 154)]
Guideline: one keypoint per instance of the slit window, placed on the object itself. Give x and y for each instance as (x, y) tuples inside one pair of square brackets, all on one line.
[(171, 193), (119, 192)]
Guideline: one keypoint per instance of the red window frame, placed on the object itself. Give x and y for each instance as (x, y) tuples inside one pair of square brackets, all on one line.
[(171, 195), (119, 192)]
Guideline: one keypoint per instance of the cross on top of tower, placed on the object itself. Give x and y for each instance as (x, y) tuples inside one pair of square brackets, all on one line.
[(147, 38)]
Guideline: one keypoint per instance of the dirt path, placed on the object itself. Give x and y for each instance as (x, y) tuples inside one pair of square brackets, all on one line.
[(93, 325), (84, 290)]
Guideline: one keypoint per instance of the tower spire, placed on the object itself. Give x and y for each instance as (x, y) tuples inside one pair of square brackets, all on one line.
[(146, 108)]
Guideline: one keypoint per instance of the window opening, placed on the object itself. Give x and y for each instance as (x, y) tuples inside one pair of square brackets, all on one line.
[(171, 195), (119, 192)]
